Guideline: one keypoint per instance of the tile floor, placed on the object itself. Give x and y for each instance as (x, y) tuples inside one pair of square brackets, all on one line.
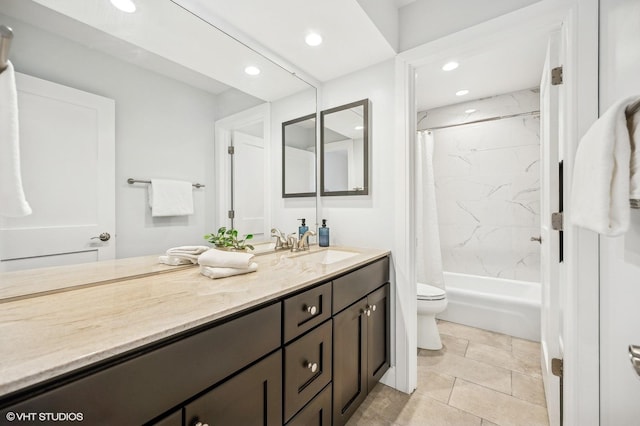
[(479, 378)]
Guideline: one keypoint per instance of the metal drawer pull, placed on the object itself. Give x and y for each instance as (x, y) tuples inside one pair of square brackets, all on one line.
[(311, 309), (373, 308), (201, 424), (634, 356), (313, 366)]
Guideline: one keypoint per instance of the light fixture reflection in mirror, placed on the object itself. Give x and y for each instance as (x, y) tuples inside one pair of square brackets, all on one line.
[(345, 149), (299, 157)]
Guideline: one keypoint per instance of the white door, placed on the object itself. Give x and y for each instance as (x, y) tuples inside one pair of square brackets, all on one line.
[(67, 139), (550, 252), (249, 185)]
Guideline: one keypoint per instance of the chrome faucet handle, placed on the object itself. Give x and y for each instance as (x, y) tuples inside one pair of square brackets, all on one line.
[(304, 241), (281, 241), (292, 240)]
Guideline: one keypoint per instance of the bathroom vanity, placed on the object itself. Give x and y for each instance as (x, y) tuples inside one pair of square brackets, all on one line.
[(301, 341)]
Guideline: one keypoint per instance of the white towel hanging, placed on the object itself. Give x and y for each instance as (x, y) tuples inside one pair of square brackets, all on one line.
[(170, 198), (602, 173), (14, 203)]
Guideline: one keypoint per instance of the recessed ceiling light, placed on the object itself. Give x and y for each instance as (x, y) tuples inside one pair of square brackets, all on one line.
[(124, 5), (462, 92), (470, 111), (449, 66), (313, 39), (251, 70)]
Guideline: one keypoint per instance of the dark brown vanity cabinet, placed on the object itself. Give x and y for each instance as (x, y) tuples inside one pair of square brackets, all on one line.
[(308, 358), (361, 351)]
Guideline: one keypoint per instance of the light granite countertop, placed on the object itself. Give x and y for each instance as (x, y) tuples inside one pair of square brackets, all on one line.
[(54, 332)]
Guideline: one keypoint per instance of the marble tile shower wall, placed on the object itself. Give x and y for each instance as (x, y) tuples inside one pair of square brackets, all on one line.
[(488, 194)]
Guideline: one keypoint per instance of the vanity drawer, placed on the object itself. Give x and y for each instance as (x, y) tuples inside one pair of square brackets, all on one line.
[(350, 287), (317, 412), (307, 368), (306, 310)]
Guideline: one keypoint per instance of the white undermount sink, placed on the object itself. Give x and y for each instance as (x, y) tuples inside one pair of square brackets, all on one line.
[(329, 256)]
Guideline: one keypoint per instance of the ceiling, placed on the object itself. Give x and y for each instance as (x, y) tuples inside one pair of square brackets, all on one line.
[(351, 41), (508, 67)]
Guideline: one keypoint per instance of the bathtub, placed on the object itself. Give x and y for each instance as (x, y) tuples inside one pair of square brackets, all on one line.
[(507, 306)]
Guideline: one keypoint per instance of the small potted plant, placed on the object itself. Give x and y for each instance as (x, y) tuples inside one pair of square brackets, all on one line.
[(227, 239)]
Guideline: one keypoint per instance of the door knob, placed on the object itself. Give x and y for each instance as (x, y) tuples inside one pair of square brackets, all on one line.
[(538, 239), (105, 236)]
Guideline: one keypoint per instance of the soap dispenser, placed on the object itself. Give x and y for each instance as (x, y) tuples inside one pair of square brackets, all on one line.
[(323, 234), (302, 228)]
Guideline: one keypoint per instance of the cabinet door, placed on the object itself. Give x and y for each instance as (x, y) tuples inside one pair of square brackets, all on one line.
[(307, 368), (317, 412), (253, 397), (349, 361), (378, 330)]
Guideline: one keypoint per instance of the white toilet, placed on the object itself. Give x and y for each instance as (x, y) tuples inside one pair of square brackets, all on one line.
[(431, 301)]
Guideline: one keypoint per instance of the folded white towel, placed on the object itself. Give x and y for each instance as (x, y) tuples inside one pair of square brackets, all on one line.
[(174, 260), (187, 253), (601, 177), (187, 250), (225, 259), (13, 203), (215, 273), (170, 198)]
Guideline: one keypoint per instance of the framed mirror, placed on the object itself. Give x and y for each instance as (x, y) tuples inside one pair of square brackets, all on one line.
[(299, 157), (344, 149)]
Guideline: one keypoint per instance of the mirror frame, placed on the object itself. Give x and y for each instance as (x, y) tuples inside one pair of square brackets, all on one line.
[(315, 130), (366, 122)]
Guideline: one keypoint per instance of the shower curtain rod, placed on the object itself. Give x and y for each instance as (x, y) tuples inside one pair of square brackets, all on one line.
[(6, 35), (484, 120)]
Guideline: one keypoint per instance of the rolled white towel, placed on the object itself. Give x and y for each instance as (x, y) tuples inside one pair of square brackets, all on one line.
[(215, 273), (174, 260), (225, 259)]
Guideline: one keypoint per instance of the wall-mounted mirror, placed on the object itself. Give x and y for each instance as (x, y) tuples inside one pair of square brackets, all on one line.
[(344, 151), (299, 157), (168, 77)]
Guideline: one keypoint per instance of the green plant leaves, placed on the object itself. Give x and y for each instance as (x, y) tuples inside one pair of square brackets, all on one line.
[(228, 238)]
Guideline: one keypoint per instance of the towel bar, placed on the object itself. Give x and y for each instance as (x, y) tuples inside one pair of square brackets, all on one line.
[(131, 181)]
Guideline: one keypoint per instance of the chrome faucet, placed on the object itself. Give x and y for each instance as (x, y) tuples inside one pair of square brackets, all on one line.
[(303, 244), (281, 241)]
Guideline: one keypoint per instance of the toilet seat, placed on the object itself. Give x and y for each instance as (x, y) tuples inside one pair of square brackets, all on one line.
[(429, 292)]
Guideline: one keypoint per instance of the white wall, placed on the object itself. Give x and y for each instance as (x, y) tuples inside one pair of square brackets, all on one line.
[(366, 221), (286, 211), (164, 129), (426, 20), (619, 257)]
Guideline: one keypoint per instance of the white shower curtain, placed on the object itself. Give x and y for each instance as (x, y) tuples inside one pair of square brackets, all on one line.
[(428, 252)]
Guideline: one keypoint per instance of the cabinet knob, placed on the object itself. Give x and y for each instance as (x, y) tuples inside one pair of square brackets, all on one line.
[(311, 309), (373, 308), (366, 311), (313, 366), (201, 424)]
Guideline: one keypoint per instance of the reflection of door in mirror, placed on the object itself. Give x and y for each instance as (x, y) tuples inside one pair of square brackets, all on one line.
[(243, 172), (345, 150), (299, 157), (67, 139)]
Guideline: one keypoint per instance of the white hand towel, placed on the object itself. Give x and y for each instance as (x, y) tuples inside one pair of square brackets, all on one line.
[(14, 203), (215, 273), (225, 259), (601, 177), (174, 260), (170, 198)]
